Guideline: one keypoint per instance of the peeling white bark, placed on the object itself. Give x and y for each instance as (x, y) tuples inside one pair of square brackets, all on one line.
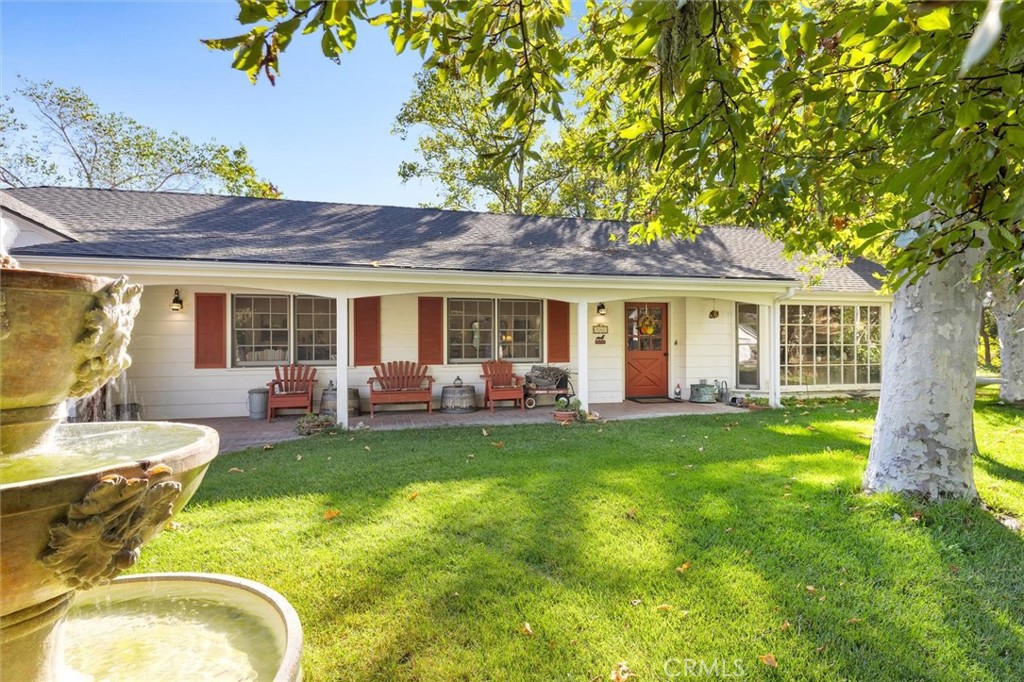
[(924, 432), (1009, 313)]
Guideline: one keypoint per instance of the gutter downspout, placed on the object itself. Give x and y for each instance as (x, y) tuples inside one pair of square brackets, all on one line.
[(775, 371)]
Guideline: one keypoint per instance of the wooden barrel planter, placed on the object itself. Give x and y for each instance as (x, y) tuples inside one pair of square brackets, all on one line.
[(458, 399)]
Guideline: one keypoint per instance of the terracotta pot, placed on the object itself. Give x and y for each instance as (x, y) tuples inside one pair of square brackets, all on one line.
[(564, 416), (63, 336)]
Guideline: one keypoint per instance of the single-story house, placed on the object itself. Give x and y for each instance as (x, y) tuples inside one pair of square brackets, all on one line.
[(235, 286)]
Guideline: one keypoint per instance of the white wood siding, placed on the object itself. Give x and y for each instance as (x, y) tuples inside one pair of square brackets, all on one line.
[(164, 380)]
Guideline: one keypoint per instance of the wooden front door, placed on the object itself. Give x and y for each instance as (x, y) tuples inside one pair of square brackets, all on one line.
[(646, 350)]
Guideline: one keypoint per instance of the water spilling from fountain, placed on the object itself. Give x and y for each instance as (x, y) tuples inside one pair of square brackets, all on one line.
[(78, 501)]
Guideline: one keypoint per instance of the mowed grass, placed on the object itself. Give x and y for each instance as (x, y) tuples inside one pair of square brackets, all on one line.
[(658, 543)]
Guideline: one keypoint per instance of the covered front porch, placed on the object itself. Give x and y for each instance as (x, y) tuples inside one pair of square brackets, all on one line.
[(239, 433)]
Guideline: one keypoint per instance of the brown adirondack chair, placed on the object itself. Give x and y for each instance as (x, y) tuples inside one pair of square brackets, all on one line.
[(292, 387), (401, 381), (501, 383)]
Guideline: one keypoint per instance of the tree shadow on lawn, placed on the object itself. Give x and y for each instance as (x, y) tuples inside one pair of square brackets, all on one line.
[(567, 537)]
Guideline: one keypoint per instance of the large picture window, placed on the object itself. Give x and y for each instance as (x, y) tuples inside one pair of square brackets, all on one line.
[(485, 329), (830, 345), (271, 330)]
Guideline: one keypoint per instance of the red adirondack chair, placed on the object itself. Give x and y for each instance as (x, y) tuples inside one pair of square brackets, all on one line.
[(401, 381), (501, 383), (292, 387)]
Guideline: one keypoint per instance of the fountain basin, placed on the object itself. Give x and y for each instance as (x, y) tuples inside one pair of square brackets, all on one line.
[(183, 626), (74, 516)]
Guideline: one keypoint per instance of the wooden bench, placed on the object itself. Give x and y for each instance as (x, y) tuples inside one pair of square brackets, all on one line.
[(292, 388), (501, 383), (401, 381)]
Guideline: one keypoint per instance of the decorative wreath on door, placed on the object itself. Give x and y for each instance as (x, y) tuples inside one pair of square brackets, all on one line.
[(646, 325)]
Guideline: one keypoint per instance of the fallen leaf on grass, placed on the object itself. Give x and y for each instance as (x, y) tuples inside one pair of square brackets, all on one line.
[(268, 446), (683, 567), (730, 530), (631, 514), (621, 672), (812, 588), (331, 514), (471, 456), (298, 458), (785, 626), (413, 495), (804, 414), (498, 444), (855, 620), (821, 649), (634, 602), (810, 428), (485, 432), (663, 607), (526, 629), (236, 470), (172, 525), (367, 448), (769, 660)]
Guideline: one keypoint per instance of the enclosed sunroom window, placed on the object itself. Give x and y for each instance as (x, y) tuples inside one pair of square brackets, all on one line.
[(834, 345)]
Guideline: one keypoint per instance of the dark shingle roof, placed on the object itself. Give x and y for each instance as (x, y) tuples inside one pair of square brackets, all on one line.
[(203, 227), (12, 205)]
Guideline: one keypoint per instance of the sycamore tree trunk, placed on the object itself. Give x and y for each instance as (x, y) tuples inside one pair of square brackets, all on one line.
[(1009, 314), (924, 433)]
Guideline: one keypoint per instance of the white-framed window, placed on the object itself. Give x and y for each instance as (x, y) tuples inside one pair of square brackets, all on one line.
[(272, 329), (487, 328), (748, 329), (831, 345), (316, 329)]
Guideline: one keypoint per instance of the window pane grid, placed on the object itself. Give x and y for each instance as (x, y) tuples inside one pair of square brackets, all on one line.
[(830, 345), (260, 330), (315, 329), (486, 328)]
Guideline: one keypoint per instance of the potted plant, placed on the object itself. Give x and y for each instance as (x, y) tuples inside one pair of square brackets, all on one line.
[(566, 409)]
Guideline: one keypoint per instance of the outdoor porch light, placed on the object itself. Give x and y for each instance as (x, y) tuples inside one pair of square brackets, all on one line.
[(601, 309), (176, 302)]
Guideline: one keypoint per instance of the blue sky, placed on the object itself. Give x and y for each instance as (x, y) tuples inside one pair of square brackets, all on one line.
[(323, 133)]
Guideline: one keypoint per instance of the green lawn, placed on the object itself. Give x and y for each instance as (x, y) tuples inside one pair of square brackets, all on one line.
[(448, 541)]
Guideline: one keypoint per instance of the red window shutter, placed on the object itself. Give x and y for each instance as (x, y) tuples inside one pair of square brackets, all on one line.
[(558, 331), (366, 321), (211, 331), (431, 330)]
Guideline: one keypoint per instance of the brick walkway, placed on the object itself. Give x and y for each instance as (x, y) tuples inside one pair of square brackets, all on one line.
[(238, 433)]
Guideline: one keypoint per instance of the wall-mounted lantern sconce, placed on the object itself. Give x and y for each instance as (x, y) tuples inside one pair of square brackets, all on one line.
[(176, 302), (601, 309), (714, 310)]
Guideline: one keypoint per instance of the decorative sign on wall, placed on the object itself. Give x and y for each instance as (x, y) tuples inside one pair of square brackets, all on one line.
[(600, 329), (600, 341)]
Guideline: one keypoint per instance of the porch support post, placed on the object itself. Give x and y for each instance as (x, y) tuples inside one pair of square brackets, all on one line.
[(341, 355), (774, 356), (582, 351)]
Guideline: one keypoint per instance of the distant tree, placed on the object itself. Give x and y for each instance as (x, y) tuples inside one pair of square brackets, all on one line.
[(72, 142), (460, 135), (1008, 311)]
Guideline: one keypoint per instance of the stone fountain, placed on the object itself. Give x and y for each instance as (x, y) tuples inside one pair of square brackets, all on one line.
[(78, 501)]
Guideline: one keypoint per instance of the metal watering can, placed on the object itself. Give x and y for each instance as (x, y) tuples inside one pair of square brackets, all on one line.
[(722, 390)]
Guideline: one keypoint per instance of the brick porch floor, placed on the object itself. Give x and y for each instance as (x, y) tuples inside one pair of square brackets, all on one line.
[(238, 433)]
